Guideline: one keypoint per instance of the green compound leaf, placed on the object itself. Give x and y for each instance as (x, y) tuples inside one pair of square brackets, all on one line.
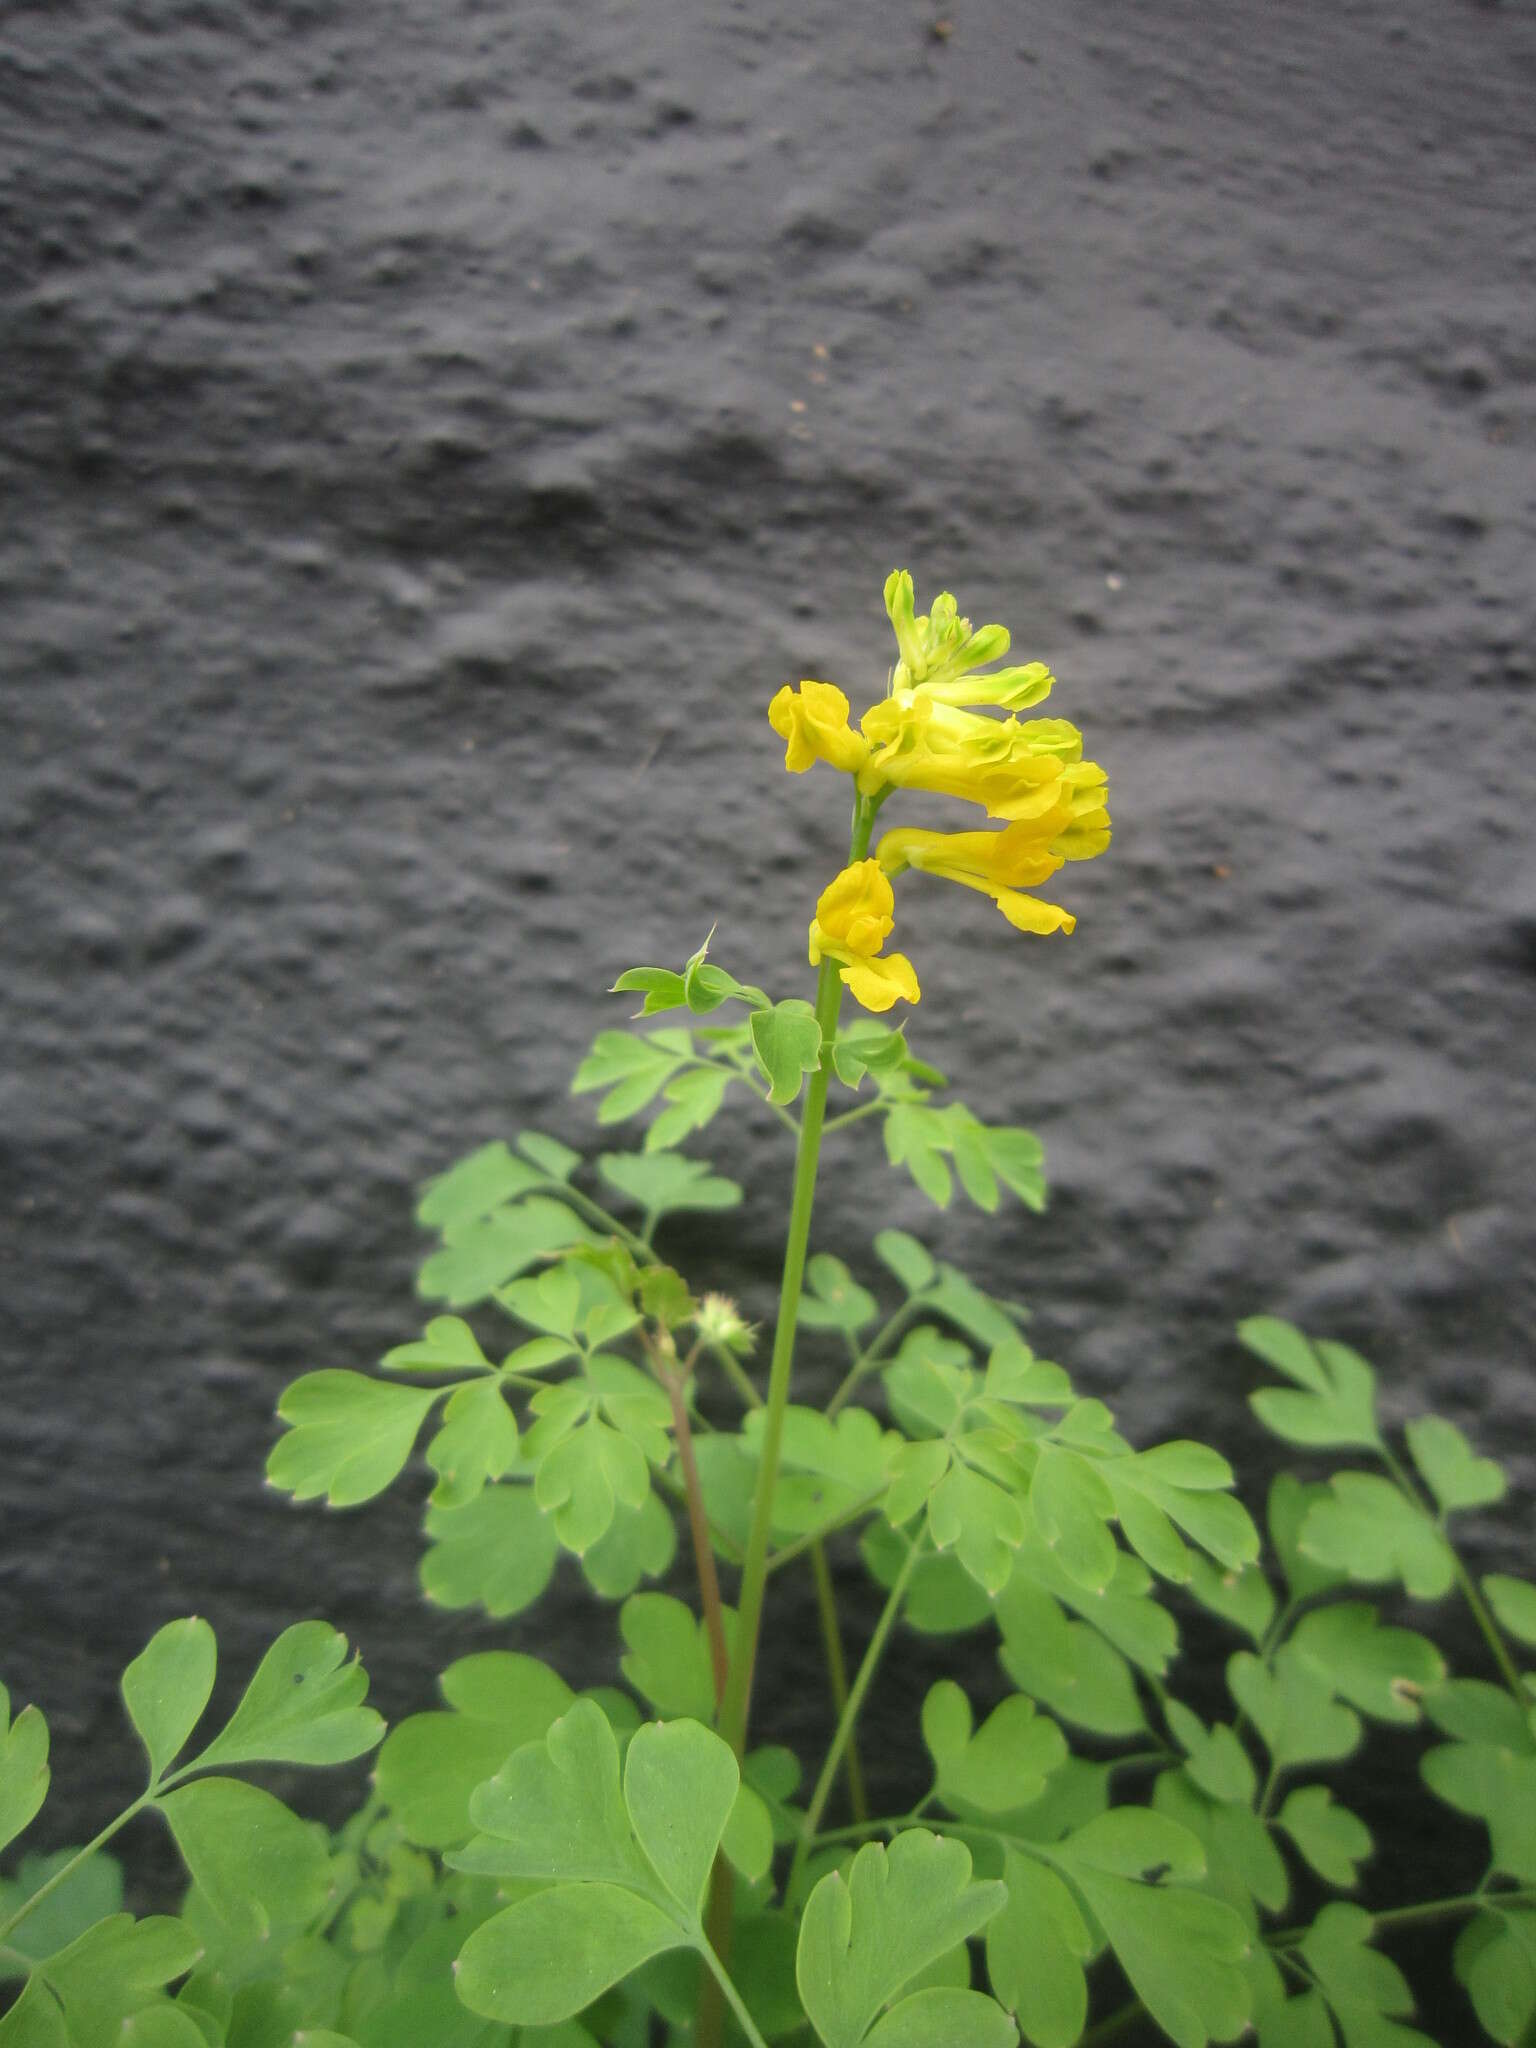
[(1365, 1529), (1036, 1948), (1496, 1787), (663, 1182), (1451, 1469), (431, 1763), (349, 1436), (1002, 1765), (1382, 1671), (1331, 1838), (1514, 1605), (447, 1344), (667, 1659), (862, 1939), (482, 1254), (113, 1971), (303, 1706), (477, 1442), (1365, 1990), (628, 1868), (1334, 1400), (497, 1552), (834, 1299), (546, 1958), (1495, 1958), (167, 1686), (1293, 1708), (23, 1767), (1182, 1950), (910, 1261), (787, 1041), (476, 1186), (257, 1865)]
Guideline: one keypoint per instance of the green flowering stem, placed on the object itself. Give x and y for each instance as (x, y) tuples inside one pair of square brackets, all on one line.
[(843, 1734), (736, 1706)]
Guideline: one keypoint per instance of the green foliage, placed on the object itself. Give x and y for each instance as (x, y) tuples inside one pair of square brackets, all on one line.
[(533, 1868)]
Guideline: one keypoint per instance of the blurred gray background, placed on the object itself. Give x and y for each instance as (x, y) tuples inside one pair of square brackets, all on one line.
[(431, 432)]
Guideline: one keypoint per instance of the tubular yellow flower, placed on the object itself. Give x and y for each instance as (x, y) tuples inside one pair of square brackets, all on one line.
[(814, 722), (854, 915), (1012, 770), (999, 864)]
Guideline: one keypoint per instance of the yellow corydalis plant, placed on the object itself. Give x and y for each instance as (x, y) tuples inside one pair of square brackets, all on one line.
[(931, 731)]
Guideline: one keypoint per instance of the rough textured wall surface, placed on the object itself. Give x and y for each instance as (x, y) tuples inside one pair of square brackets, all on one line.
[(431, 432)]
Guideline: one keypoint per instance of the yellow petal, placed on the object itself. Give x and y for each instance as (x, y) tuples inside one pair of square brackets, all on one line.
[(1029, 914), (879, 983)]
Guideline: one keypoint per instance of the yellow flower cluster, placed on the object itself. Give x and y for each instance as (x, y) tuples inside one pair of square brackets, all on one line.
[(930, 732)]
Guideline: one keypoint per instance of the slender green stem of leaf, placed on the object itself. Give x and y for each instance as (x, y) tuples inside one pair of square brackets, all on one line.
[(841, 1520), (853, 1116), (736, 1373), (1508, 1670), (848, 1720), (837, 1671), (873, 1354), (740, 1073), (743, 2017), (1266, 1798), (891, 1824), (59, 1876), (594, 1212)]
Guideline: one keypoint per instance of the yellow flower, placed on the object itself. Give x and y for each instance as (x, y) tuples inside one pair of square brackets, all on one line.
[(853, 920), (999, 864), (1013, 770), (814, 722)]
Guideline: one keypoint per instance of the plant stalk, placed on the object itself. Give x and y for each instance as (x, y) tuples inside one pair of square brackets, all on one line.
[(843, 1734), (837, 1671)]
